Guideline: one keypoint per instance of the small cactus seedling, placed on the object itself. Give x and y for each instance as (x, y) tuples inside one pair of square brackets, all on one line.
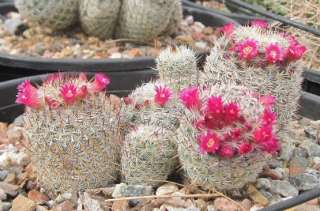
[(262, 60), (148, 155), (54, 14), (178, 67), (226, 135), (98, 18), (73, 132)]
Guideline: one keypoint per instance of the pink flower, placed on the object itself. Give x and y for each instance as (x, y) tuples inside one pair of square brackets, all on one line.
[(53, 77), (209, 142), (245, 148), (247, 49), (213, 121), (267, 100), (295, 52), (274, 53), (83, 77), (215, 105), (226, 151), (263, 134), (227, 29), (100, 82), (28, 95), (190, 98), (271, 146), (262, 24), (235, 134), (269, 117), (53, 104), (83, 92), (127, 100), (231, 112), (69, 93), (162, 96), (200, 124)]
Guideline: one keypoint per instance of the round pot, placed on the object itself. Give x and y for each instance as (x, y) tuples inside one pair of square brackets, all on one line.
[(15, 66)]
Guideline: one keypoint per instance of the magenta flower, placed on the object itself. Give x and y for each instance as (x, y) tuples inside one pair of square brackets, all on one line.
[(295, 52), (83, 92), (190, 98), (209, 142), (263, 134), (269, 117), (128, 100), (231, 112), (28, 95), (53, 77), (262, 24), (247, 49), (83, 77), (69, 93), (162, 96), (226, 151), (274, 53), (53, 104), (215, 105), (227, 29), (268, 100), (100, 82), (270, 146), (245, 148)]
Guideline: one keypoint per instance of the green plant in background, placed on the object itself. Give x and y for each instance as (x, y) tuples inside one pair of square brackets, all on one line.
[(265, 61), (225, 136), (131, 19), (74, 134)]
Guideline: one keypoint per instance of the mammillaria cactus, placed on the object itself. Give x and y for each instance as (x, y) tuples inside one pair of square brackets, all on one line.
[(73, 132), (226, 135), (98, 18), (177, 66), (54, 14), (262, 60), (149, 155), (144, 20)]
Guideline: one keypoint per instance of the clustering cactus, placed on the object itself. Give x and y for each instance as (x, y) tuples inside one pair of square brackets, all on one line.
[(149, 155), (177, 66), (55, 14), (73, 130), (135, 19), (226, 135), (262, 60)]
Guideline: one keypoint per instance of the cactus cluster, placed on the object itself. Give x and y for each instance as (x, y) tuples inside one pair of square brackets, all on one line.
[(74, 134), (133, 19), (225, 135), (263, 60)]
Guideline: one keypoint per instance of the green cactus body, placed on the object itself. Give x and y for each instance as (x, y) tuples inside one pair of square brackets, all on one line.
[(54, 14), (98, 18), (144, 20), (212, 170), (73, 146), (178, 67), (283, 81), (175, 20), (148, 155)]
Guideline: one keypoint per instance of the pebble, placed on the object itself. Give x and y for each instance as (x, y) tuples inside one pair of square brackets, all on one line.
[(246, 203), (257, 196), (123, 190), (225, 204), (64, 206), (298, 165), (90, 203), (263, 183), (287, 149), (316, 160), (13, 157), (22, 203), (306, 207), (311, 133), (63, 197), (38, 197), (3, 174), (11, 178), (171, 208), (5, 206), (312, 148), (9, 189), (283, 188), (14, 26), (305, 181), (166, 189), (256, 207)]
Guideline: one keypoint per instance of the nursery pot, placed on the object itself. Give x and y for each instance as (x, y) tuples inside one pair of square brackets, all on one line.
[(15, 66)]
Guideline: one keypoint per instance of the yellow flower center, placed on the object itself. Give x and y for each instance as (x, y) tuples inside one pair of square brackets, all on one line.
[(210, 143)]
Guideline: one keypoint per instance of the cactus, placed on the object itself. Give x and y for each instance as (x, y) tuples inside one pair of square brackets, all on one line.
[(54, 14), (98, 18), (175, 20), (148, 155), (226, 135), (178, 67), (144, 20), (73, 132), (262, 60)]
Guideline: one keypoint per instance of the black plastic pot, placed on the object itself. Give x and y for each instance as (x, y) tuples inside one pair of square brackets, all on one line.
[(14, 66)]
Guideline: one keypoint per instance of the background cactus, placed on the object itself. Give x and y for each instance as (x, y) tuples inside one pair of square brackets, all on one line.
[(144, 20), (225, 136), (148, 156), (54, 14), (262, 60), (98, 18), (73, 133), (177, 66)]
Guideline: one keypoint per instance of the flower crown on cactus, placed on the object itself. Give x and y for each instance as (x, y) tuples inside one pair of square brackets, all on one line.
[(227, 128), (58, 90), (257, 44)]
